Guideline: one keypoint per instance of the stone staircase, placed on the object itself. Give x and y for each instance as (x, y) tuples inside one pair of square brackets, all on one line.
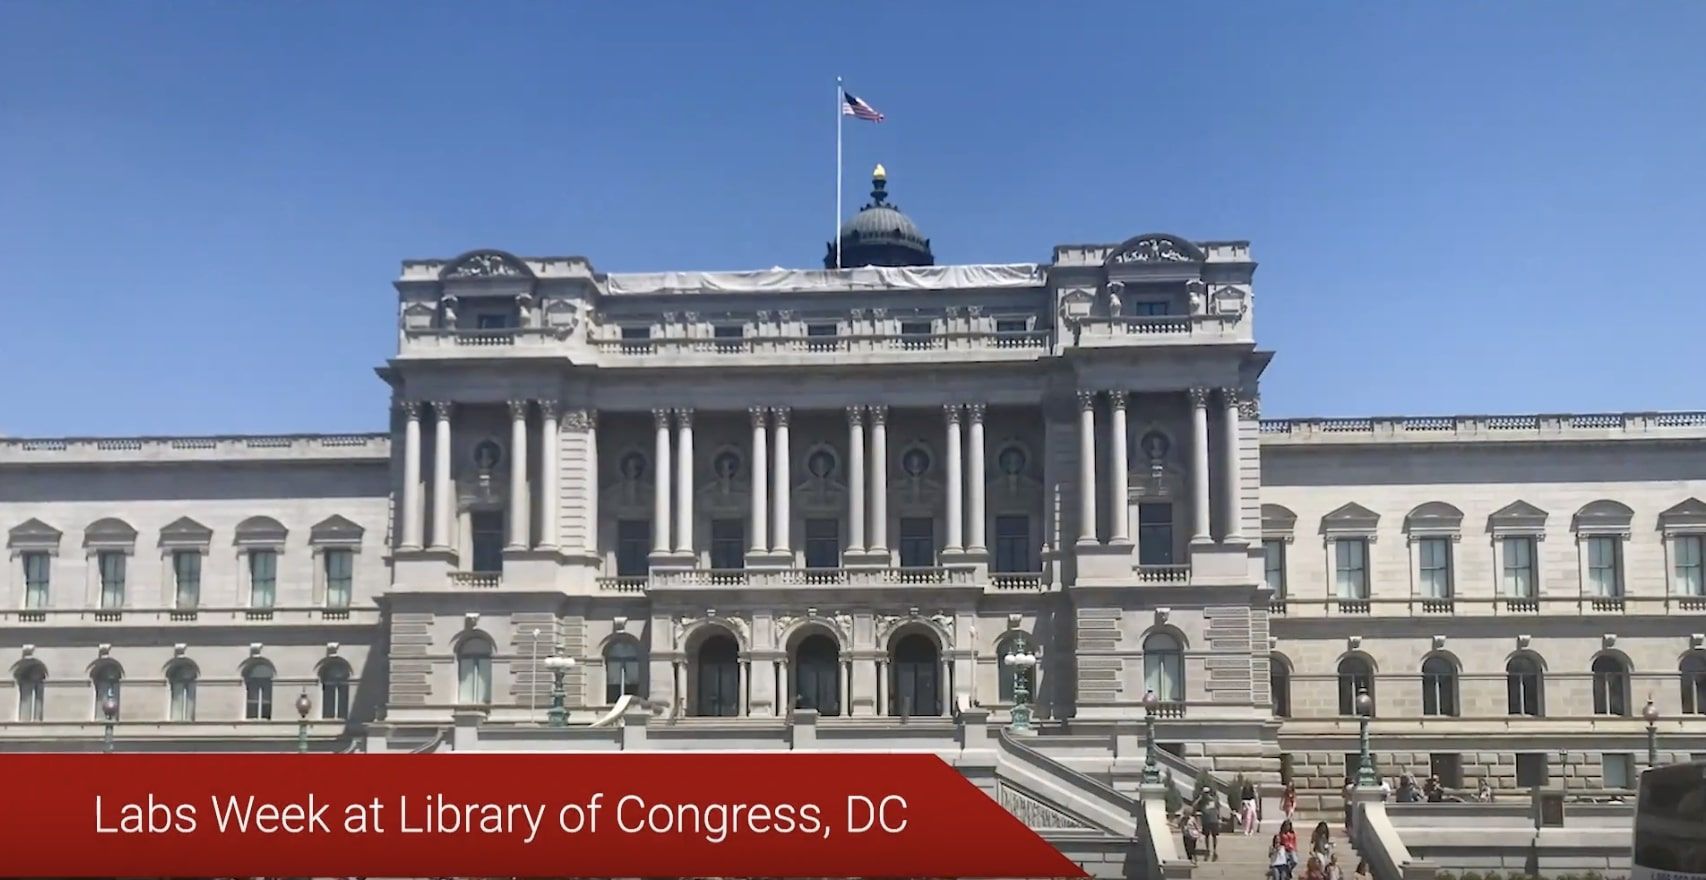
[(1246, 858)]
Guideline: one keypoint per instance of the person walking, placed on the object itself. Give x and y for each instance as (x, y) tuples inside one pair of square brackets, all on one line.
[(1321, 841), (1208, 808), (1281, 860), (1350, 788), (1288, 837), (1288, 801), (1190, 830), (1247, 808)]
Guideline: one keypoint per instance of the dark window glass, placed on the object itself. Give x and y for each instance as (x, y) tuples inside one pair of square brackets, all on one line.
[(334, 691), (1279, 686), (728, 544), (1355, 676), (1447, 767), (823, 543), (728, 331), (1013, 544), (1610, 687), (1150, 308), (340, 576), (1522, 687), (821, 331), (1273, 566), (817, 675), (1531, 770), (487, 532), (1439, 687), (915, 328), (1154, 533), (491, 322), (621, 669), (917, 542), (636, 333), (719, 678), (633, 547), (1011, 325), (918, 675)]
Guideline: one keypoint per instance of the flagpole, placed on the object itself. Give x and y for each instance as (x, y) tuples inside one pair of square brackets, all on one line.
[(840, 102)]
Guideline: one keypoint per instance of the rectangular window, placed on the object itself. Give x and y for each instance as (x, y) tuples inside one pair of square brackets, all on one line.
[(823, 543), (1273, 566), (633, 547), (1519, 580), (186, 574), (334, 698), (1353, 763), (30, 695), (111, 563), (492, 321), (1433, 555), (917, 542), (486, 533), (1448, 767), (1350, 567), (1618, 769), (728, 336), (1686, 553), (728, 544), (1154, 533), (1013, 544), (36, 573), (340, 577), (474, 680), (1150, 308), (1012, 326), (263, 578), (633, 333), (183, 696), (821, 337), (915, 328), (1605, 566), (1531, 770)]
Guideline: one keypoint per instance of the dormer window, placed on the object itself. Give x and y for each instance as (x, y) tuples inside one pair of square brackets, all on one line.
[(728, 336), (1011, 326), (915, 334), (637, 338), (821, 336)]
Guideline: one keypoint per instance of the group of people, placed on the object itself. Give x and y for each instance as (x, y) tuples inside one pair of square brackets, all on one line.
[(1322, 863), (1200, 821)]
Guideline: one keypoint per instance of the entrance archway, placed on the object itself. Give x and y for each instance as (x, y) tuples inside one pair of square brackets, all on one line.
[(917, 677), (817, 675), (716, 689)]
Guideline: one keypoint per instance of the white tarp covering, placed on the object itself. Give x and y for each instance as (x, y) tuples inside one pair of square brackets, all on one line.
[(830, 280)]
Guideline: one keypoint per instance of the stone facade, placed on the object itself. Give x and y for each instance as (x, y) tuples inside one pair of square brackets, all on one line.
[(856, 491)]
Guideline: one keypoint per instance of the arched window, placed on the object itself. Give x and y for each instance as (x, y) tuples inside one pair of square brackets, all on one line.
[(105, 678), (257, 691), (817, 675), (1610, 686), (474, 671), (1439, 686), (1523, 686), (1694, 684), (1279, 685), (917, 677), (334, 689), (180, 681), (621, 669), (1164, 667), (718, 691), (32, 680), (1007, 676), (1356, 675)]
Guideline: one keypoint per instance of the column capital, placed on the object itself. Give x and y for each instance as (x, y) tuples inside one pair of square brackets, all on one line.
[(411, 409), (855, 415), (974, 412), (1086, 398), (443, 408), (684, 417), (1250, 406), (780, 414), (580, 419), (660, 417), (1199, 397), (1229, 397), (879, 414), (518, 409), (549, 409), (758, 413), (952, 412)]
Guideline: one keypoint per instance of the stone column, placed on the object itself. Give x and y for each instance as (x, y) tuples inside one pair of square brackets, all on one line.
[(956, 481), (411, 475), (976, 480), (879, 479), (1199, 465), (589, 419), (1119, 514), (519, 508), (856, 479), (760, 468), (660, 481), (684, 481), (442, 503), (882, 686), (945, 690), (783, 521), (745, 700), (1231, 529), (1086, 467), (550, 494)]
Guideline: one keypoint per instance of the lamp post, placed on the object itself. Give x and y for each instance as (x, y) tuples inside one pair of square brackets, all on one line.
[(1151, 704), (1651, 713), (1021, 661), (559, 666), (109, 711), (303, 704), (533, 688), (1365, 768)]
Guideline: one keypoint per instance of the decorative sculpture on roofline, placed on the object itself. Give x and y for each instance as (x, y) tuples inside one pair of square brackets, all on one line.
[(1155, 249)]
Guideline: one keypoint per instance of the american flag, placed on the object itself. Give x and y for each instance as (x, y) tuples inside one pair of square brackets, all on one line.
[(858, 108)]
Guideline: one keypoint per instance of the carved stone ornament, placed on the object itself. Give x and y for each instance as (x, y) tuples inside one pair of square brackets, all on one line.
[(945, 621), (1153, 249), (578, 419), (486, 265), (1033, 811), (1250, 406), (1199, 397)]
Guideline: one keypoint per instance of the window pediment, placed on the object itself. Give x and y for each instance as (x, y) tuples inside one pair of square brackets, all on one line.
[(1350, 520), (1604, 517), (185, 532), (1435, 518), (109, 532), (335, 529), (33, 534), (1517, 518), (262, 530), (1278, 521), (1687, 517)]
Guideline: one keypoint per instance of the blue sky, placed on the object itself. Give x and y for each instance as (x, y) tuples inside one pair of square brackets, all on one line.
[(1457, 207)]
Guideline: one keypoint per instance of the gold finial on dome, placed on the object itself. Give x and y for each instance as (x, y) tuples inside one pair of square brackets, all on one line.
[(879, 174)]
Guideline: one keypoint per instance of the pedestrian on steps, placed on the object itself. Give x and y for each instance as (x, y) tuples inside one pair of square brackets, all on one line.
[(1190, 830), (1247, 808), (1288, 837), (1208, 807), (1288, 801), (1281, 860)]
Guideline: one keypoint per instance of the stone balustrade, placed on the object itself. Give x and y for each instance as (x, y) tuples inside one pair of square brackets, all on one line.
[(1424, 429), (81, 450)]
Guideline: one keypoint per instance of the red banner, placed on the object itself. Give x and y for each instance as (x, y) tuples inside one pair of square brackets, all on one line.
[(508, 815)]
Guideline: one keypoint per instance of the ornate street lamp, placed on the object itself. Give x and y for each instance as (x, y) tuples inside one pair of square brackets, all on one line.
[(302, 706), (1151, 705), (1365, 768), (1651, 713), (1021, 661), (558, 716), (109, 711)]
